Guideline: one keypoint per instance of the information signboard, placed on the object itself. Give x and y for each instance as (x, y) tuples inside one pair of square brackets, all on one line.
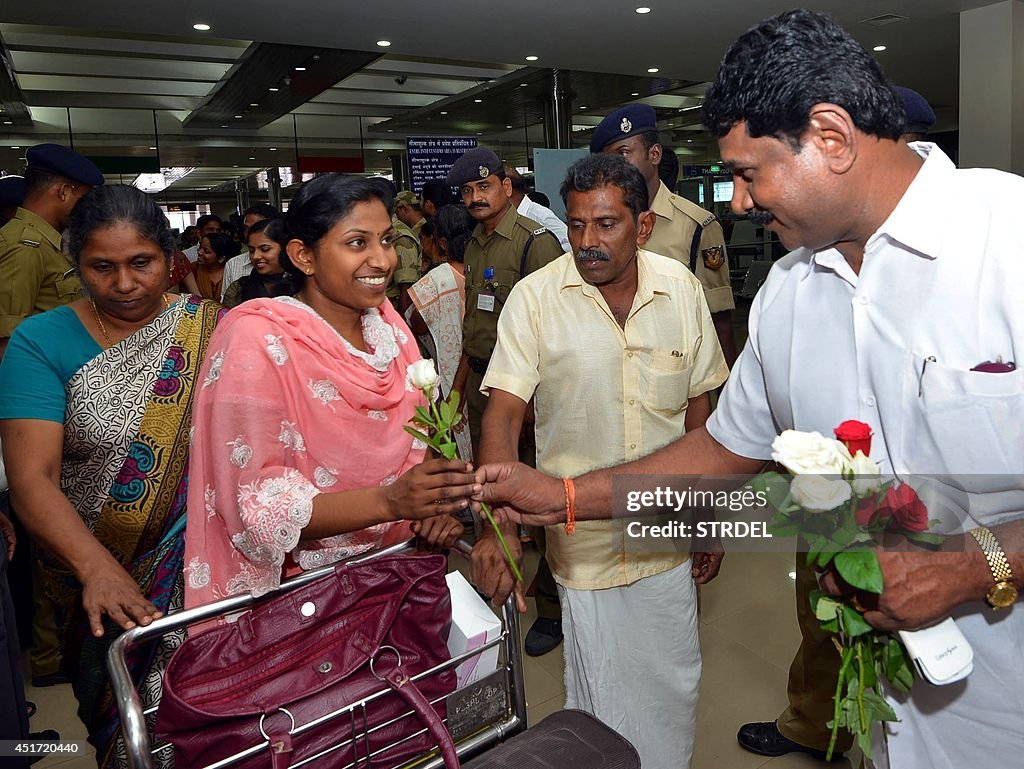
[(431, 157)]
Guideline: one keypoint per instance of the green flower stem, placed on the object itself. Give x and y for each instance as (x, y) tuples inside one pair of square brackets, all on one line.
[(860, 689), (501, 538), (837, 702)]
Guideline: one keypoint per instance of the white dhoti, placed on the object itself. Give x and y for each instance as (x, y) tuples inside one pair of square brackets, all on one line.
[(632, 659)]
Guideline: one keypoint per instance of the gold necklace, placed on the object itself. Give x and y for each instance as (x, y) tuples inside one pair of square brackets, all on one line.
[(103, 329)]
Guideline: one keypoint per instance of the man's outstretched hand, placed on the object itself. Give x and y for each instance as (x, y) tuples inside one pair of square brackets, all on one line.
[(524, 495)]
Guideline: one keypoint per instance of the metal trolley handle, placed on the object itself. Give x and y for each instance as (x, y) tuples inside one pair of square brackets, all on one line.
[(133, 720)]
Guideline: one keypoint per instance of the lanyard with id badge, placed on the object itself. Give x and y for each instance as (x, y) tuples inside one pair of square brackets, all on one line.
[(485, 299)]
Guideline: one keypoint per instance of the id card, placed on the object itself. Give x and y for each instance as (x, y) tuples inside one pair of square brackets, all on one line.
[(485, 302)]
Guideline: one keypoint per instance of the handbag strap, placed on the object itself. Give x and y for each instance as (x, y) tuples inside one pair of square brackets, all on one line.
[(403, 686)]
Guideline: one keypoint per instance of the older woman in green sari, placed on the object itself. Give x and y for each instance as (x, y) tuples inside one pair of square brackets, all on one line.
[(95, 424)]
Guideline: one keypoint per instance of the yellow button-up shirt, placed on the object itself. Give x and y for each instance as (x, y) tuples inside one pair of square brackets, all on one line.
[(605, 394)]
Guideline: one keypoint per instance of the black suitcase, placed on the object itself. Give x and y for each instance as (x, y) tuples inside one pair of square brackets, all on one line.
[(568, 739)]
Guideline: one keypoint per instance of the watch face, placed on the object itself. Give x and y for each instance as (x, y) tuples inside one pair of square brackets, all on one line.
[(1003, 594)]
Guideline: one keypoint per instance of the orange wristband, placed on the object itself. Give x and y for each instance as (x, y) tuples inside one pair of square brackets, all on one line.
[(570, 506)]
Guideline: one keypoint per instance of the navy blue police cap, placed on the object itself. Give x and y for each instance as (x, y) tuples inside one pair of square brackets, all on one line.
[(63, 161), (474, 165), (920, 115), (12, 191), (624, 122)]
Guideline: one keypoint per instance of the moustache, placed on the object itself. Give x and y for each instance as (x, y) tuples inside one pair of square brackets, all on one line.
[(478, 205), (592, 254), (760, 216)]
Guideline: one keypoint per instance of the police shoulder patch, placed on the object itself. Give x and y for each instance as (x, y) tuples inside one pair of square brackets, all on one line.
[(540, 231), (710, 218), (714, 257)]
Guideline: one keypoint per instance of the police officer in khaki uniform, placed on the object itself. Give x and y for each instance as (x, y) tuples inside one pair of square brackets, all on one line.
[(408, 209), (408, 271), (35, 275), (505, 246), (683, 231)]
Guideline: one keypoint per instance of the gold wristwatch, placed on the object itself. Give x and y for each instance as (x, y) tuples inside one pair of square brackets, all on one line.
[(1003, 593)]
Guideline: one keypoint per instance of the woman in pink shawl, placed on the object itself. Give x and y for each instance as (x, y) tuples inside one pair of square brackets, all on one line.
[(299, 456)]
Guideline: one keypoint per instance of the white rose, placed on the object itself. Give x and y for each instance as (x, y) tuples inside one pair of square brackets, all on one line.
[(810, 453), (816, 493), (867, 475), (423, 376)]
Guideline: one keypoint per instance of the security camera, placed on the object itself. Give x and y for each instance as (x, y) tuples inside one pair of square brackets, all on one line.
[(401, 79)]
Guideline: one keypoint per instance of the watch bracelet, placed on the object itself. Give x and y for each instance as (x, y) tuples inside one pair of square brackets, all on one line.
[(994, 554)]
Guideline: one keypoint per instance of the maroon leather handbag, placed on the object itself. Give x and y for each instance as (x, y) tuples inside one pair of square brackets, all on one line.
[(267, 678)]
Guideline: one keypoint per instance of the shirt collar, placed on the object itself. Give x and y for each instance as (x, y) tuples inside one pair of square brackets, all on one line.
[(505, 227), (662, 203), (44, 227)]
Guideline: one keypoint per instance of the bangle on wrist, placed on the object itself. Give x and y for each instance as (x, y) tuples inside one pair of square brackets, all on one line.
[(570, 506)]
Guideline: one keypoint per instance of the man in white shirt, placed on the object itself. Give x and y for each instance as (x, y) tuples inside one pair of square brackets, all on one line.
[(533, 210), (241, 265), (888, 311)]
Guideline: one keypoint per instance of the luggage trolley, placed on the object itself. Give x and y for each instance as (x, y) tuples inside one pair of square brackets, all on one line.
[(480, 715)]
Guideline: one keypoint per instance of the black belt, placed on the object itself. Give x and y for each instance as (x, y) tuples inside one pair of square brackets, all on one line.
[(479, 365)]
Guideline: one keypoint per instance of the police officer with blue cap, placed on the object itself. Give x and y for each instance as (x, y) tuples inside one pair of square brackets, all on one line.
[(683, 230), (920, 115), (35, 274)]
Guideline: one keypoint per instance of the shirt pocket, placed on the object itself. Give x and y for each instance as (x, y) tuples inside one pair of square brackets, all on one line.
[(668, 380), (965, 423), (68, 287)]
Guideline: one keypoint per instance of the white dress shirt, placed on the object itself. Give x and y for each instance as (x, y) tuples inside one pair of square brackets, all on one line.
[(547, 218), (192, 252), (235, 268), (939, 292)]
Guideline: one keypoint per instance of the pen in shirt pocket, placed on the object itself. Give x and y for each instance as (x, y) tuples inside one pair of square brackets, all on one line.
[(920, 379), (997, 366)]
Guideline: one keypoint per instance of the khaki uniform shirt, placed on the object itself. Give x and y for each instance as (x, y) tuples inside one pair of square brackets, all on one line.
[(418, 226), (673, 236), (502, 251), (605, 394), (407, 247), (35, 275)]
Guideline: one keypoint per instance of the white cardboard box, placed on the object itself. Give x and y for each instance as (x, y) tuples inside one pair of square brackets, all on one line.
[(473, 625)]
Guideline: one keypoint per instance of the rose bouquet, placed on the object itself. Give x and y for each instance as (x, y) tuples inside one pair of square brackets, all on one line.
[(436, 423), (839, 503)]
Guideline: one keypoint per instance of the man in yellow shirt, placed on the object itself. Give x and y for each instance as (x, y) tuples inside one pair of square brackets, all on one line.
[(617, 347)]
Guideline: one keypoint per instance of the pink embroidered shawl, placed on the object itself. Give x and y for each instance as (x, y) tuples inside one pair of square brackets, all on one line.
[(288, 409)]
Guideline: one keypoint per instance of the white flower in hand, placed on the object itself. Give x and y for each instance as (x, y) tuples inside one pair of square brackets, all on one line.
[(817, 494), (424, 377), (867, 475), (813, 453)]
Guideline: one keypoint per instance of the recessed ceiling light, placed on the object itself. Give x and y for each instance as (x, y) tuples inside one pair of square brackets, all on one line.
[(254, 104), (152, 148), (652, 70), (689, 141), (300, 69), (391, 130), (583, 107), (15, 148), (238, 117), (274, 90), (479, 134), (443, 112), (635, 94), (523, 85), (669, 125), (383, 43), (8, 122), (532, 58), (235, 165), (273, 149), (478, 101), (380, 150), (224, 126), (878, 48), (252, 158), (643, 9), (201, 27), (508, 126)]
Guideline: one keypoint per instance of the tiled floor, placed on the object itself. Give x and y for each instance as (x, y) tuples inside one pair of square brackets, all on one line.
[(748, 636)]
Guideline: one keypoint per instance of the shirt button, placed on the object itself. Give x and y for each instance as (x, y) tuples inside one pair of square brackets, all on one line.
[(863, 299), (870, 400), (632, 445), (629, 355), (632, 402)]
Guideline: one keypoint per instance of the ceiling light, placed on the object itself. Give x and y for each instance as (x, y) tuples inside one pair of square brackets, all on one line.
[(201, 27), (878, 48), (383, 43), (15, 148), (523, 85), (8, 122), (300, 69), (689, 141), (273, 149), (652, 70), (443, 112), (160, 181), (479, 134), (532, 58), (643, 9), (238, 117), (274, 90), (634, 94), (235, 165), (252, 158), (380, 150), (478, 101), (508, 126), (152, 148), (254, 104), (583, 107)]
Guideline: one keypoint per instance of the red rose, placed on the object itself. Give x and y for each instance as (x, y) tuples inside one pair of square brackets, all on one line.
[(856, 435), (868, 511), (906, 508)]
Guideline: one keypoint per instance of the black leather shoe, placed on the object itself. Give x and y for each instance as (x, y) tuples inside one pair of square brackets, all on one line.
[(47, 735), (53, 679), (765, 739), (544, 635)]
